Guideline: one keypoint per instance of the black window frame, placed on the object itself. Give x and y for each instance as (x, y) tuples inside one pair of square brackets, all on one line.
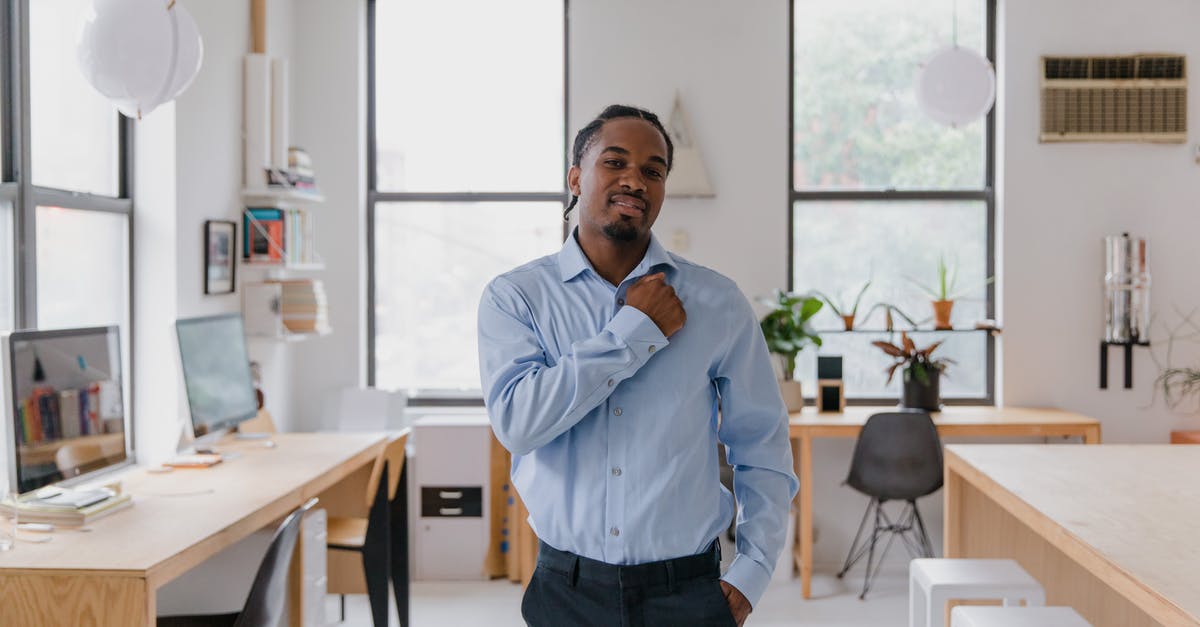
[(987, 195), (16, 183), (436, 398)]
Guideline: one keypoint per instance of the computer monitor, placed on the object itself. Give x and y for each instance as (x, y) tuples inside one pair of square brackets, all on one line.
[(64, 406), (216, 372)]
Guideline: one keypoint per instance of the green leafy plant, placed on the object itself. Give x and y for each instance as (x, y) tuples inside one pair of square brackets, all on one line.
[(1177, 384), (891, 312), (946, 285), (917, 362), (786, 327), (841, 310)]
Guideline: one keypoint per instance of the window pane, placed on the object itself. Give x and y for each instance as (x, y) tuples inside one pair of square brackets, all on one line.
[(839, 245), (82, 268), (469, 95), (74, 134), (856, 120), (7, 288), (432, 261), (865, 367)]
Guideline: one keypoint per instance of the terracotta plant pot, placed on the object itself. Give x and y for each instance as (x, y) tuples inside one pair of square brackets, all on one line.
[(848, 320), (793, 396), (918, 396), (941, 314)]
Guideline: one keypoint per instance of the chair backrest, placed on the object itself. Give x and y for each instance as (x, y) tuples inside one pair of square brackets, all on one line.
[(368, 409), (898, 455), (75, 457), (268, 595), (391, 460)]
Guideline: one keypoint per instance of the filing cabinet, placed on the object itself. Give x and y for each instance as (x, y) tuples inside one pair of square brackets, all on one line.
[(450, 471)]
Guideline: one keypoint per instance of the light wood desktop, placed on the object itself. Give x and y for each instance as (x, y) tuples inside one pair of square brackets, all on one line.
[(109, 575), (965, 421), (1108, 530)]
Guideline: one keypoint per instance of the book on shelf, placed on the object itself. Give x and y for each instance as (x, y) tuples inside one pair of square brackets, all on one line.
[(281, 236), (48, 414), (35, 511)]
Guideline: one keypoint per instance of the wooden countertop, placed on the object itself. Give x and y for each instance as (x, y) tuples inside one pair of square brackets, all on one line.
[(1128, 513), (180, 518)]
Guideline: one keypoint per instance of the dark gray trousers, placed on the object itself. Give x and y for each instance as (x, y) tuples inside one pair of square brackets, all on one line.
[(568, 590)]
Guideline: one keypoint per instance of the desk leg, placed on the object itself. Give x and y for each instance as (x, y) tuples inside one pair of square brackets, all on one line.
[(806, 527), (1092, 435), (952, 521), (102, 599)]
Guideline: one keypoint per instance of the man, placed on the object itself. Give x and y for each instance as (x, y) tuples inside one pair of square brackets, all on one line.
[(603, 369)]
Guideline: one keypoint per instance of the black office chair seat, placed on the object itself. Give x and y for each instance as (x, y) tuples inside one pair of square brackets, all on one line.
[(264, 606), (897, 457)]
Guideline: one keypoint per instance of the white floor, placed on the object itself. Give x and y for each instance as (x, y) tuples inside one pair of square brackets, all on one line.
[(497, 604)]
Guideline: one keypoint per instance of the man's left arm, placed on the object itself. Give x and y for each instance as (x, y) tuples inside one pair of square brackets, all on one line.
[(754, 430)]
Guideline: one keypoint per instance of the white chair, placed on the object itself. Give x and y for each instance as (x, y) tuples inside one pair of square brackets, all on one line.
[(366, 409), (963, 616), (933, 582)]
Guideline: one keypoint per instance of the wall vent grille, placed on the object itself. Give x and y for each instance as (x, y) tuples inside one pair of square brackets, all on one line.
[(1140, 98)]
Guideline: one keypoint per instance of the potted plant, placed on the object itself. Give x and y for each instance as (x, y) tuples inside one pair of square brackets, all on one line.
[(787, 332), (890, 313), (944, 293), (847, 315), (921, 372)]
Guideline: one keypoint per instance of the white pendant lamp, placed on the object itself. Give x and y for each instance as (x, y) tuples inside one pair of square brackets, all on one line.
[(956, 86), (139, 53)]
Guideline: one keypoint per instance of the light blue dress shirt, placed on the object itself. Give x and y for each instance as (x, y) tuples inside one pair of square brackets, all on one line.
[(614, 428)]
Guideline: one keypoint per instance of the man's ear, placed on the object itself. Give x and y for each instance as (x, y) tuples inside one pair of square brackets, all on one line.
[(573, 179)]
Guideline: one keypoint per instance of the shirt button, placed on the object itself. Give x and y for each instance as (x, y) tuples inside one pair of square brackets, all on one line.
[(616, 471), (614, 531), (620, 301), (651, 348), (617, 411), (610, 383)]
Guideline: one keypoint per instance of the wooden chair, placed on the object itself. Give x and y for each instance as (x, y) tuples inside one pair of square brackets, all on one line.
[(75, 458), (367, 549)]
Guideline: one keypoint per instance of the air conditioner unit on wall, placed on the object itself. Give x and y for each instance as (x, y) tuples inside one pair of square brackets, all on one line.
[(1137, 98)]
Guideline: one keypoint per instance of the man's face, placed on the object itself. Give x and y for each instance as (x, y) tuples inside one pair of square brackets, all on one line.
[(621, 180)]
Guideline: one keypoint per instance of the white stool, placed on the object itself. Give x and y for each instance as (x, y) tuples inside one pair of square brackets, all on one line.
[(933, 582), (963, 616)]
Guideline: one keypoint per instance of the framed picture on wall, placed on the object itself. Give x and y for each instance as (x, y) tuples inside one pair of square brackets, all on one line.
[(220, 239)]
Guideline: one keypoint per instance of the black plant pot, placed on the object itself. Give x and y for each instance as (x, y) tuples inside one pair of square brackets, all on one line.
[(921, 396)]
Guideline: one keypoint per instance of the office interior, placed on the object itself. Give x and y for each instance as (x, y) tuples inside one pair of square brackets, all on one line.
[(116, 236)]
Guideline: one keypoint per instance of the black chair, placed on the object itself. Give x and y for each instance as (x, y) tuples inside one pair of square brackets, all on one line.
[(264, 606), (898, 457), (371, 539)]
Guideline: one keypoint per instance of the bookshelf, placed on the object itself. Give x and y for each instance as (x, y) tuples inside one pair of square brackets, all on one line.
[(282, 197)]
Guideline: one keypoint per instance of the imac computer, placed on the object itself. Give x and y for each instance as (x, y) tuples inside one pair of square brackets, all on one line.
[(216, 372), (63, 406)]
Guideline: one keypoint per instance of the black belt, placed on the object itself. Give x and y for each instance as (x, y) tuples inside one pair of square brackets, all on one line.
[(665, 572)]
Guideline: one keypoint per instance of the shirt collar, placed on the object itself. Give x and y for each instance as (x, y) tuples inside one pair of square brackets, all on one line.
[(572, 261)]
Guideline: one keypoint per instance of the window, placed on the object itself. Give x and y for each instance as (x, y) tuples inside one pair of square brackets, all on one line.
[(879, 192), (65, 197), (466, 175)]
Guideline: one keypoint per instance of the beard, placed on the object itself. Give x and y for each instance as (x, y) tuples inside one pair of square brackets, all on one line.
[(621, 231)]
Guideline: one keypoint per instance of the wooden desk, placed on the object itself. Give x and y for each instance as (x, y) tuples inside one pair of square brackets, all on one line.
[(1108, 530), (804, 427), (109, 576)]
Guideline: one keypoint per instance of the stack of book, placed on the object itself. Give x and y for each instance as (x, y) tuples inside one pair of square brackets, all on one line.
[(303, 306), (300, 173), (48, 414), (283, 236), (72, 508)]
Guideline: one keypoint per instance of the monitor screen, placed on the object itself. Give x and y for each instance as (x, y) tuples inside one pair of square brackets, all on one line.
[(65, 404), (216, 372)]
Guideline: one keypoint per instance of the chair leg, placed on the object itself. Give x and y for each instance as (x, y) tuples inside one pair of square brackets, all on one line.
[(398, 524), (375, 567), (871, 554), (342, 606), (851, 558)]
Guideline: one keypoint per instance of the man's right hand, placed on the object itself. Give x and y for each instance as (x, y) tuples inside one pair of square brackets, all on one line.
[(652, 296)]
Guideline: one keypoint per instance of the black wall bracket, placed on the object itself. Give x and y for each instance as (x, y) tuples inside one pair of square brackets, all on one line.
[(1128, 362)]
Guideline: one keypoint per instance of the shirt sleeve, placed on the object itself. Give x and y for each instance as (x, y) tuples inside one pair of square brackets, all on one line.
[(530, 402), (754, 429)]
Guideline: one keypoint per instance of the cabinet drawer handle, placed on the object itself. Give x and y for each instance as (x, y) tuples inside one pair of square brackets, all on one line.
[(450, 495), (450, 511)]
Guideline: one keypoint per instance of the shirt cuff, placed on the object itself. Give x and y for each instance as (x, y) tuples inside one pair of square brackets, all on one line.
[(638, 332), (749, 577)]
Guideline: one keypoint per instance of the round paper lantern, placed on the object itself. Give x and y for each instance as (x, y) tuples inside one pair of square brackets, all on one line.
[(139, 53), (956, 86)]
